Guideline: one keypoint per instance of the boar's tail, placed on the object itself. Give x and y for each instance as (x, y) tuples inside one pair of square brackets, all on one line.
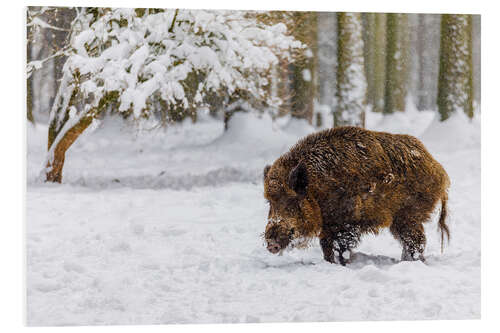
[(442, 221)]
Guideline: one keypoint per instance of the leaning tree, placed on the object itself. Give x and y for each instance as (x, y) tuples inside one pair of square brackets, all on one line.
[(132, 60)]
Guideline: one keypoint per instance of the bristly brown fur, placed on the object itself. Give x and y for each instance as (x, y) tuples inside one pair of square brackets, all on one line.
[(340, 183)]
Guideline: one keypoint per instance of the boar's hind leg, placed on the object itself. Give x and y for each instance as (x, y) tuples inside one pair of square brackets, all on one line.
[(327, 247), (411, 235)]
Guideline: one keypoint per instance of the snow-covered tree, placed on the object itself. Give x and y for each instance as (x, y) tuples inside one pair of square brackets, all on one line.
[(351, 81), (134, 59), (455, 85)]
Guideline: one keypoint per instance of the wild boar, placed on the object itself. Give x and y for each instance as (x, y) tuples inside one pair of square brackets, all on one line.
[(341, 183)]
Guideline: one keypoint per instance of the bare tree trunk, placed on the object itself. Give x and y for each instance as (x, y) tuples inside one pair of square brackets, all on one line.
[(396, 63), (455, 92), (369, 54), (29, 100), (422, 98), (29, 82), (412, 55), (476, 56), (304, 69), (351, 80), (428, 60), (284, 87), (327, 60), (379, 70)]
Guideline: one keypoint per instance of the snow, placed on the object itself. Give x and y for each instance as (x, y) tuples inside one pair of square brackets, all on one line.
[(164, 227)]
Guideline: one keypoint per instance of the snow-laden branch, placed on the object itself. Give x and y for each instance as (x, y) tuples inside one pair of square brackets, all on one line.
[(38, 22), (37, 64)]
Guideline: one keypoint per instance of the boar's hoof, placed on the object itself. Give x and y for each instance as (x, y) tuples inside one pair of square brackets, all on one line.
[(330, 258), (409, 256)]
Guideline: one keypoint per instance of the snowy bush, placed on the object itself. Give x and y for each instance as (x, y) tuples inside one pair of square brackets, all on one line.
[(175, 57)]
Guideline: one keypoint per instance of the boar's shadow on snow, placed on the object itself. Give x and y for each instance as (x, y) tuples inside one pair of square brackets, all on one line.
[(341, 183)]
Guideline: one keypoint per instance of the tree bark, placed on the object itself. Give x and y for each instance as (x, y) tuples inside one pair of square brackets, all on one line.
[(304, 69), (369, 51), (351, 80), (396, 83), (29, 82), (327, 60), (476, 57), (56, 162), (422, 97), (29, 100), (284, 87), (378, 81), (455, 85)]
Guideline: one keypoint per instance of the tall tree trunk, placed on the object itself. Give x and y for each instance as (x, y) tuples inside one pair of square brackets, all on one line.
[(327, 60), (397, 64), (379, 55), (455, 87), (304, 69), (351, 81), (428, 60), (476, 57), (369, 54), (412, 54), (29, 82), (374, 50), (422, 97), (29, 100), (283, 88)]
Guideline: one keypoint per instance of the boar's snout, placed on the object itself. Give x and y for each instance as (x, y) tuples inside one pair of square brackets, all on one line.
[(273, 247)]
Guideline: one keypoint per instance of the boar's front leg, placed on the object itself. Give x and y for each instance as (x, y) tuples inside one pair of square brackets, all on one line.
[(339, 243), (344, 242)]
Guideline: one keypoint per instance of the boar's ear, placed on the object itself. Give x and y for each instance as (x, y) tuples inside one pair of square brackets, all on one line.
[(266, 170), (297, 179)]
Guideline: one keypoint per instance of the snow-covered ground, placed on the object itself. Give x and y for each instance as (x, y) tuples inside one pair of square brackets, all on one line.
[(165, 227)]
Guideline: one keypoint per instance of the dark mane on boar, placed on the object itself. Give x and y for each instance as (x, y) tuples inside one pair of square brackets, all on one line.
[(341, 183)]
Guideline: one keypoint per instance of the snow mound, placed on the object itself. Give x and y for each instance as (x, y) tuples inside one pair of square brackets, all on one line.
[(412, 122), (456, 133), (253, 134), (249, 127), (298, 128)]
